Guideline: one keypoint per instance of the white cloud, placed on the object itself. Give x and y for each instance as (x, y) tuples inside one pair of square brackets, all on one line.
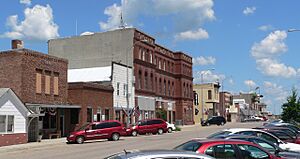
[(192, 35), (266, 54), (26, 2), (250, 83), (208, 76), (249, 10), (114, 14), (276, 92), (272, 45), (204, 60), (273, 68), (231, 81), (37, 25), (185, 15), (266, 27)]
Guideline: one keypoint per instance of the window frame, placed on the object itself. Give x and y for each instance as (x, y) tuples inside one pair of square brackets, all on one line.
[(6, 124)]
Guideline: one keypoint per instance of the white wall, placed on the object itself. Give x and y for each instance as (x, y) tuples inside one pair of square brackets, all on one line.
[(19, 120), (120, 75)]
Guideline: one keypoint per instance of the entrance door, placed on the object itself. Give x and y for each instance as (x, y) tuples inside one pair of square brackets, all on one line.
[(62, 125)]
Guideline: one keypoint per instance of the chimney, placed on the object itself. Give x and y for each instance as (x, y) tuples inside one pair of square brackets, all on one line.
[(17, 44)]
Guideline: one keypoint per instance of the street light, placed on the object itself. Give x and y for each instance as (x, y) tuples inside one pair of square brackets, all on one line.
[(202, 100), (127, 79)]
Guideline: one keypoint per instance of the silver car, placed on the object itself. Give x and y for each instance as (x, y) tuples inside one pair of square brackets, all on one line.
[(158, 154)]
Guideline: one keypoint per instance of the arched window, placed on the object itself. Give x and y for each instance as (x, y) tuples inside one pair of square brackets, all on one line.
[(140, 80), (165, 87), (151, 82)]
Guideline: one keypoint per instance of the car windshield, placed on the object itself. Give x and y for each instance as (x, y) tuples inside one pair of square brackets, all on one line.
[(83, 127), (189, 146), (221, 133)]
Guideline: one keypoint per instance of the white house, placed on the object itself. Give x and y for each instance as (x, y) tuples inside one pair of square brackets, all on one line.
[(13, 118)]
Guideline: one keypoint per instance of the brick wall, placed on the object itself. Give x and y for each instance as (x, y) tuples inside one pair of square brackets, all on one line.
[(18, 71), (91, 95), (12, 139)]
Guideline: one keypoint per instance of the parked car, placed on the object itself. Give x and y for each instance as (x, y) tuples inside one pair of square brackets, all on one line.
[(282, 135), (111, 130), (223, 149), (258, 133), (158, 126), (158, 154), (288, 125), (267, 145), (171, 127), (295, 137), (217, 120)]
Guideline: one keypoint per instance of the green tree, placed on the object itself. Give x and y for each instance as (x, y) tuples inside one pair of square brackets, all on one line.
[(291, 109)]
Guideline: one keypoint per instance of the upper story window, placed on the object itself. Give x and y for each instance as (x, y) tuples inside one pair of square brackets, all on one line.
[(47, 82), (140, 53), (150, 57), (146, 81), (55, 83), (140, 80), (38, 81), (209, 95), (143, 55), (159, 64), (164, 65)]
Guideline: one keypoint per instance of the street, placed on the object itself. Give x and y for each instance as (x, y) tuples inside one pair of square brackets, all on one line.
[(97, 149)]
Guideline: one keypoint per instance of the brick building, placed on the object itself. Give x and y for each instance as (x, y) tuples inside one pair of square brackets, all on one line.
[(224, 104), (40, 81), (95, 101), (162, 78)]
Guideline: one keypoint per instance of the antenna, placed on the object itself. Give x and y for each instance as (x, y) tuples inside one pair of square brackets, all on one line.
[(122, 24)]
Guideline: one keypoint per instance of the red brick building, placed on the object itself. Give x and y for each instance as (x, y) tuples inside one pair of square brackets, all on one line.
[(40, 81), (95, 100), (163, 78)]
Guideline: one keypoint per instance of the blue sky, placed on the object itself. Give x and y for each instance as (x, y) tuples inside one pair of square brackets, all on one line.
[(245, 41)]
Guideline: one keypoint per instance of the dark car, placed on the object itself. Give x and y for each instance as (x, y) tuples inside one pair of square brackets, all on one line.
[(223, 149), (217, 120), (153, 126), (111, 130)]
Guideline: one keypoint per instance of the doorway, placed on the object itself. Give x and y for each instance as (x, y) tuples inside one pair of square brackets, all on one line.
[(62, 125)]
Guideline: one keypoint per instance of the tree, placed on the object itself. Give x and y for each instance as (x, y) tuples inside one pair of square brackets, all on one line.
[(291, 109)]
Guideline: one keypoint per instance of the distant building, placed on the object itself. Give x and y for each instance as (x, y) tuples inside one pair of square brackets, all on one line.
[(208, 99), (162, 78), (224, 104)]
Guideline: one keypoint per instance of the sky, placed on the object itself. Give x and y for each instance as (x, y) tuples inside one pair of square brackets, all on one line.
[(243, 44)]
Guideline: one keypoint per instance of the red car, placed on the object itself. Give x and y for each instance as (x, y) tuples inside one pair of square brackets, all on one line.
[(158, 126), (111, 130), (224, 148)]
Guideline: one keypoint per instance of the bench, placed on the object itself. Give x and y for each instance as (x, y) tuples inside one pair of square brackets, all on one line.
[(56, 134)]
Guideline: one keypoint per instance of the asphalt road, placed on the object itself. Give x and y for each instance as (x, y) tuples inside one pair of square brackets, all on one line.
[(102, 148)]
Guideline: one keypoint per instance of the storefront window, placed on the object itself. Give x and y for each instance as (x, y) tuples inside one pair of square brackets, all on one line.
[(89, 116)]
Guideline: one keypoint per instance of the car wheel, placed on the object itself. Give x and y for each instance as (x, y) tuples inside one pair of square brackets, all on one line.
[(115, 137), (222, 123), (160, 131), (80, 139), (134, 133), (169, 130)]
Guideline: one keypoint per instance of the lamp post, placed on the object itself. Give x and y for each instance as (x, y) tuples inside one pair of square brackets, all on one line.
[(127, 79), (202, 100)]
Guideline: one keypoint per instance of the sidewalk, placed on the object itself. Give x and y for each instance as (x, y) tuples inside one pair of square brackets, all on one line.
[(30, 145)]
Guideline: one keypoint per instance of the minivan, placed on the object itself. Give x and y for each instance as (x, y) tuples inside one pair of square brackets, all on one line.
[(110, 129)]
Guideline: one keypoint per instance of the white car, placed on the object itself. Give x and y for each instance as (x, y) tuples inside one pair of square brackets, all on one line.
[(259, 133), (171, 127)]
